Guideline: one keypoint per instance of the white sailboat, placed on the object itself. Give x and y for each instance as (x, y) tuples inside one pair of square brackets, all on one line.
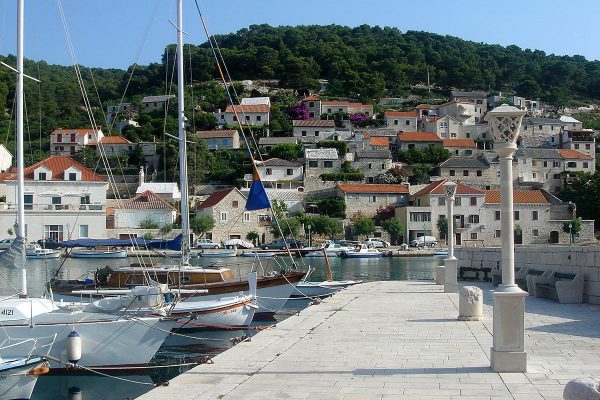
[(105, 340)]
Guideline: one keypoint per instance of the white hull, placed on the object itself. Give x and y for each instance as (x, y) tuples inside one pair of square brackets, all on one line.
[(42, 256), (225, 312), (14, 381), (217, 253), (320, 289), (254, 254), (99, 254)]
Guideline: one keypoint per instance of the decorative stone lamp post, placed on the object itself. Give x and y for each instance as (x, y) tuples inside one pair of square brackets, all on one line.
[(508, 351), (450, 263)]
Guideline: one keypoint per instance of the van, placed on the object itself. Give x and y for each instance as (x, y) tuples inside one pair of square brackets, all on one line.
[(423, 241)]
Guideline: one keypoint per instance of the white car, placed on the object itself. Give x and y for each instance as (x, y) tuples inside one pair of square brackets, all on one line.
[(376, 243), (423, 241), (239, 243), (5, 243), (206, 244)]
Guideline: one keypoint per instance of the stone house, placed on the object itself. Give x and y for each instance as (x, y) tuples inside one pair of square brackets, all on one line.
[(123, 109), (481, 172), (571, 123), (402, 121), (232, 221), (366, 135), (252, 114), (318, 162), (226, 139), (319, 129), (265, 144), (579, 140), (466, 111), (145, 206), (541, 126), (372, 162), (368, 198), (445, 127), (426, 110), (155, 103), (417, 140), (461, 147), (69, 141), (335, 106), (276, 173), (313, 104), (479, 98)]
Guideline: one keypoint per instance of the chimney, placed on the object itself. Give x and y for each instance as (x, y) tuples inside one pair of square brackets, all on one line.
[(142, 175)]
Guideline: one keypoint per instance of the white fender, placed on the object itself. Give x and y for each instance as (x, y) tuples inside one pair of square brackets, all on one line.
[(74, 393), (252, 284), (74, 347)]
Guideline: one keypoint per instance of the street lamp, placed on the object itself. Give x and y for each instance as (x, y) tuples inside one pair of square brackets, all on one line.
[(308, 227), (450, 263), (508, 350), (570, 234)]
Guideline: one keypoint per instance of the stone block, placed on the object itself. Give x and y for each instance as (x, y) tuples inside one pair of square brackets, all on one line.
[(582, 389)]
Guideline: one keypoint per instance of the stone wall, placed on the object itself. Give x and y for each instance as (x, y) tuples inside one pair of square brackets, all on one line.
[(562, 258)]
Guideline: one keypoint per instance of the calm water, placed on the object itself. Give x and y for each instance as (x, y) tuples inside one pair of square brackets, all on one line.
[(177, 350)]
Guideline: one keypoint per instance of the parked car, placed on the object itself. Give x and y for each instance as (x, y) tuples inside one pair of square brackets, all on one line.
[(376, 243), (206, 244), (49, 243), (423, 241), (282, 245), (5, 243), (239, 243)]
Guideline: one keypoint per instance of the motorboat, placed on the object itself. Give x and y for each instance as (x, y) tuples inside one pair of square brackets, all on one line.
[(330, 247), (218, 253), (35, 251), (96, 253), (361, 251), (440, 252), (321, 289), (258, 254)]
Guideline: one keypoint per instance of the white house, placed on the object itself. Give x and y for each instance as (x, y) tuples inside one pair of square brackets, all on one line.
[(276, 173), (145, 206), (252, 114), (63, 200), (168, 191), (403, 121), (155, 103), (69, 141), (5, 158)]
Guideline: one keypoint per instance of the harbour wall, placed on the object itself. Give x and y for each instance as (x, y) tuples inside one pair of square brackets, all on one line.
[(562, 258)]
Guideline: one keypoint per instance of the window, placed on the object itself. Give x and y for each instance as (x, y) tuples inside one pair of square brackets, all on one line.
[(311, 103), (479, 173), (59, 138), (289, 171), (41, 176), (28, 201), (468, 152), (441, 201), (587, 147), (457, 201), (473, 201), (269, 171), (85, 199), (535, 233), (525, 127), (545, 164), (572, 164), (395, 122), (534, 175), (533, 163), (452, 172), (585, 164), (468, 135), (258, 118), (54, 232), (382, 166), (303, 133), (56, 200), (73, 138), (498, 233), (327, 164), (540, 127), (420, 217), (517, 215), (577, 146), (534, 215), (72, 176), (552, 128), (313, 164), (317, 133), (473, 219), (497, 215), (247, 118), (246, 216), (225, 142), (372, 199), (311, 115), (465, 172), (83, 231), (370, 165), (223, 216), (473, 236), (407, 122), (498, 174), (556, 163), (235, 204)]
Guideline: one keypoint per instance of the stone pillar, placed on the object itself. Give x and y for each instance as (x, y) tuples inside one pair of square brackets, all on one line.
[(450, 263), (470, 303), (508, 351)]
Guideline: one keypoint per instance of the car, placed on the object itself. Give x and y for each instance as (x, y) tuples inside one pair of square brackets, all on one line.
[(239, 243), (49, 244), (206, 244), (423, 241), (5, 243), (282, 245), (376, 243)]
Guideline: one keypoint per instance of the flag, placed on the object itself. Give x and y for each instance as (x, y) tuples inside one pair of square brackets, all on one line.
[(257, 198)]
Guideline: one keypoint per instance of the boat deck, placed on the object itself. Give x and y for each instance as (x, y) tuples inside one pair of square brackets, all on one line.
[(397, 340)]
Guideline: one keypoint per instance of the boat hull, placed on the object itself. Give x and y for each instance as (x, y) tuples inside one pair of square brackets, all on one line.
[(15, 383), (320, 289), (198, 312), (359, 255), (99, 254)]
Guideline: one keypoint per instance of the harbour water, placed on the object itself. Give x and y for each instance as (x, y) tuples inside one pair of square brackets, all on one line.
[(183, 352)]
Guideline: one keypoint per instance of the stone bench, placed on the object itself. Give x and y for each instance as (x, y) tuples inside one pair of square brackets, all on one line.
[(521, 276), (568, 288)]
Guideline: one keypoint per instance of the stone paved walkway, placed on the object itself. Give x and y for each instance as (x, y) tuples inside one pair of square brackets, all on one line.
[(397, 340)]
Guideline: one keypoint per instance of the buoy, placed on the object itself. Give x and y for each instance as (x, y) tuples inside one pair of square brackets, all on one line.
[(74, 347)]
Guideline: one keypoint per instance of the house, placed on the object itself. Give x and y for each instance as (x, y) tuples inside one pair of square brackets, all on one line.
[(372, 162), (445, 127), (253, 101), (466, 111), (428, 206), (318, 162), (276, 173), (251, 114), (112, 146), (461, 147), (168, 191), (225, 139), (123, 109), (378, 143), (402, 121), (417, 140), (362, 136), (145, 206), (63, 200), (265, 144), (571, 123), (366, 199), (320, 129), (541, 126), (580, 140), (481, 172), (232, 221), (426, 110), (337, 106), (156, 103), (5, 158), (313, 104), (70, 141)]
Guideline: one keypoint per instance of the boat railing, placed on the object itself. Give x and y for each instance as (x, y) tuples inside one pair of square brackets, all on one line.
[(49, 341)]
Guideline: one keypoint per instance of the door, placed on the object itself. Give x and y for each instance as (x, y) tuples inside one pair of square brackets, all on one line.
[(553, 237), (458, 239)]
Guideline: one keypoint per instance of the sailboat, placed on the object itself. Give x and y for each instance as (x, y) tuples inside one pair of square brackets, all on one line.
[(84, 338)]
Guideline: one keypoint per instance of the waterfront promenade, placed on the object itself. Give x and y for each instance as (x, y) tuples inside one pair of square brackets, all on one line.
[(397, 340)]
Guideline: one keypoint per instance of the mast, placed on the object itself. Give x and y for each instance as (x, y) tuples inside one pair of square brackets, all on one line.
[(185, 212), (20, 163)]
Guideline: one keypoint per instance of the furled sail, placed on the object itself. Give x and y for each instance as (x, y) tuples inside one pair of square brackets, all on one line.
[(14, 256)]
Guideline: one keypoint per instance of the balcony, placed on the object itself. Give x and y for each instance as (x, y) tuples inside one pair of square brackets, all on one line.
[(55, 207)]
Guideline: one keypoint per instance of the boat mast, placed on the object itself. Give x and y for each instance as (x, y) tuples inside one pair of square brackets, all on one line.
[(185, 213), (20, 163)]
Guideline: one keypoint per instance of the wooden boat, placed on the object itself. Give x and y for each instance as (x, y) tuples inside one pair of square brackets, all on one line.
[(95, 253), (361, 251), (36, 252)]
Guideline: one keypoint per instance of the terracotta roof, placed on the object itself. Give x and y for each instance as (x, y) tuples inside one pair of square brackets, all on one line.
[(253, 108), (371, 188), (379, 141), (421, 106), (215, 198), (570, 154), (519, 197), (6, 176), (438, 188), (79, 132), (58, 165), (146, 200), (216, 134), (311, 98), (114, 140), (418, 137), (335, 103), (459, 143), (327, 123), (407, 114)]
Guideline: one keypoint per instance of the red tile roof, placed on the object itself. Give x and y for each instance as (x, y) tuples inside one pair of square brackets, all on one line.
[(58, 165), (114, 140), (459, 143), (407, 114), (438, 188), (326, 123), (422, 106), (570, 154), (379, 141), (227, 133), (418, 137), (215, 198), (249, 108), (311, 98), (371, 188), (519, 197), (335, 103), (77, 131), (146, 200)]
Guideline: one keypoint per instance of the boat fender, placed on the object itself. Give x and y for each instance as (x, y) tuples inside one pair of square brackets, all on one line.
[(74, 347), (44, 368), (74, 393)]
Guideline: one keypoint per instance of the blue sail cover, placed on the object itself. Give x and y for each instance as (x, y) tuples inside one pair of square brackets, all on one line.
[(173, 244), (257, 198)]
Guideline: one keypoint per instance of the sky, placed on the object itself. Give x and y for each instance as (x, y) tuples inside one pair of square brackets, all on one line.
[(117, 33)]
